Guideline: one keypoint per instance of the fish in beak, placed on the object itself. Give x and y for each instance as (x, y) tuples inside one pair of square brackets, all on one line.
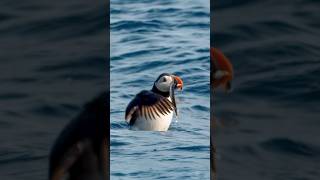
[(178, 84)]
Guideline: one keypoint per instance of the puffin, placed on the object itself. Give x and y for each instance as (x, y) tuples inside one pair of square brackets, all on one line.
[(152, 110), (222, 71), (221, 76), (81, 151)]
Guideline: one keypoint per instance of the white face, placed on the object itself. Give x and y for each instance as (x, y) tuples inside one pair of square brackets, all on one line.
[(164, 83)]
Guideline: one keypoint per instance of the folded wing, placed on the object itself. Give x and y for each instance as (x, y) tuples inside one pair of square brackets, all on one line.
[(148, 105)]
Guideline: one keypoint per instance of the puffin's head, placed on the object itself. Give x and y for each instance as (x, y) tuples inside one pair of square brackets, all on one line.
[(222, 70), (165, 82)]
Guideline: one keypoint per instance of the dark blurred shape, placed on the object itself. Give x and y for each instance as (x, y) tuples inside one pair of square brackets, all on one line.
[(82, 149), (222, 70)]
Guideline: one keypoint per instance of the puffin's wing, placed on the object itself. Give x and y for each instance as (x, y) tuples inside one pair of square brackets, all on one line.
[(148, 105)]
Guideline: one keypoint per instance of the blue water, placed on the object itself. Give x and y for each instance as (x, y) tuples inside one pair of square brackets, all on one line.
[(147, 39), (269, 125)]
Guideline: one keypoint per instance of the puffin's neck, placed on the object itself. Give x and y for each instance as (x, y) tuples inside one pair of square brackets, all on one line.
[(157, 91)]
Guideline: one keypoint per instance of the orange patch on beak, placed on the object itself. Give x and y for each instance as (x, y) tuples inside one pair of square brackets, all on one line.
[(221, 65), (179, 82)]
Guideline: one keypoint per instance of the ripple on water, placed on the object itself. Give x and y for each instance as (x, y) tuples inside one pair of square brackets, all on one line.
[(290, 147)]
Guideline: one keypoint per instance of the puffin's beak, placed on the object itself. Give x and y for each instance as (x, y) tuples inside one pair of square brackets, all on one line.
[(222, 70), (179, 82)]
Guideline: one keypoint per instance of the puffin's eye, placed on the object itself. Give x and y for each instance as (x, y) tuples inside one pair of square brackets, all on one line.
[(164, 79)]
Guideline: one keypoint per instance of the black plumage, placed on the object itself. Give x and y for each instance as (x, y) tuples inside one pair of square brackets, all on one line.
[(81, 150), (149, 105)]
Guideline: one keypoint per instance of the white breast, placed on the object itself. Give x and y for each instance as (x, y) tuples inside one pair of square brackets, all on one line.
[(159, 124)]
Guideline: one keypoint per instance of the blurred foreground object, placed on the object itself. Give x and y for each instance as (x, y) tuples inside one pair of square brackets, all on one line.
[(82, 149), (221, 76), (222, 70)]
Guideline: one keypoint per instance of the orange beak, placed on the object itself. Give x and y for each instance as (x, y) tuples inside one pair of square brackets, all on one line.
[(179, 82), (222, 69)]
